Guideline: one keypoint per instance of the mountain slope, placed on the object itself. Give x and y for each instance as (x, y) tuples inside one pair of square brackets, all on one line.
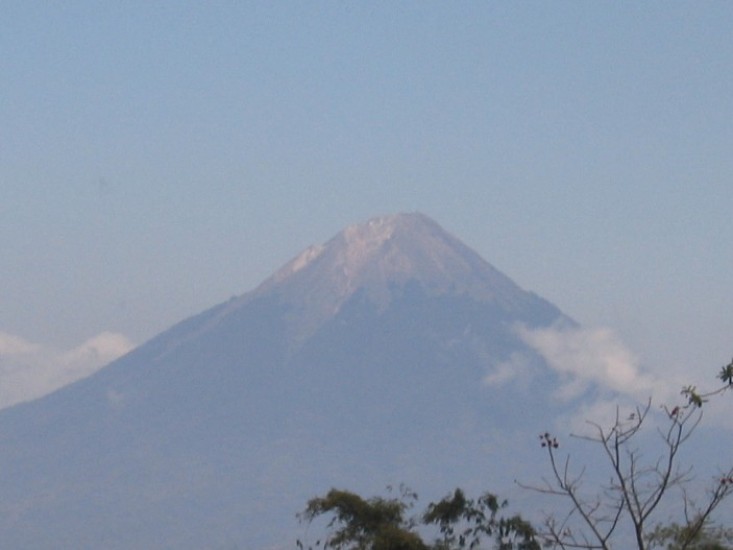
[(360, 362)]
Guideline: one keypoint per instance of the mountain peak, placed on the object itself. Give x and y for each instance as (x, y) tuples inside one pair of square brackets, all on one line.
[(378, 256), (389, 249), (380, 229), (357, 244), (384, 250)]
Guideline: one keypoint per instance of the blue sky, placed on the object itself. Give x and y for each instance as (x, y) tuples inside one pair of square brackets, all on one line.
[(157, 158)]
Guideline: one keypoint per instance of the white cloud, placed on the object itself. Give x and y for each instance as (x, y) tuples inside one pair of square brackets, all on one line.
[(14, 345), (588, 356), (29, 370), (585, 357), (517, 368)]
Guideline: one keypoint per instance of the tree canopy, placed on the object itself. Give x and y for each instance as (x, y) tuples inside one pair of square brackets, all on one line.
[(380, 523)]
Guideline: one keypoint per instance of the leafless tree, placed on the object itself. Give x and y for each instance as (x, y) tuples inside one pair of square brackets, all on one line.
[(637, 487)]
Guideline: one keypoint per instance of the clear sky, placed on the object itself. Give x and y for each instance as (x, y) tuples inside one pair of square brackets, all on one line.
[(157, 158)]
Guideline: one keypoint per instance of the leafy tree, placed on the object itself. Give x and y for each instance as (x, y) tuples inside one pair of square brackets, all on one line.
[(381, 524), (463, 522), (637, 487), (358, 524), (677, 537)]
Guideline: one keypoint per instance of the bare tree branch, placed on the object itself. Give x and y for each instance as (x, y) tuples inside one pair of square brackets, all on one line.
[(637, 487)]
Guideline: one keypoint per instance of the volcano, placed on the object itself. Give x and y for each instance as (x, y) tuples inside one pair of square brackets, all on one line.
[(362, 362)]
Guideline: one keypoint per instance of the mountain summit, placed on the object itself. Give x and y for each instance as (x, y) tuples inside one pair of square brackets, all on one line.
[(362, 362), (379, 257), (392, 250)]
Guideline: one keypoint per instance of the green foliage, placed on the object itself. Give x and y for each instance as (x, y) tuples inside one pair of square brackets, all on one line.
[(464, 522), (687, 537), (358, 524), (461, 521), (696, 399), (515, 533), (726, 374), (380, 524)]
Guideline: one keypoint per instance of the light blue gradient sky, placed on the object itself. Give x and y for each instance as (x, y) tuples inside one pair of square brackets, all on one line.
[(158, 157)]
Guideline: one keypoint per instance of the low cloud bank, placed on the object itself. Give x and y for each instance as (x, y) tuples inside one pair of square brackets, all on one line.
[(30, 370), (597, 359), (588, 359), (586, 356)]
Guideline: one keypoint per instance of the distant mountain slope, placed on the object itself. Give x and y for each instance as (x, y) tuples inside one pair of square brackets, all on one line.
[(359, 363)]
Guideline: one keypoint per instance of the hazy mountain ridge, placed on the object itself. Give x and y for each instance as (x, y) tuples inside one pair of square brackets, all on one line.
[(362, 359)]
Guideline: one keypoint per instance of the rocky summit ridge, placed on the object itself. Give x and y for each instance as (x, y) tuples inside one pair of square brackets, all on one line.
[(376, 257), (392, 250)]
